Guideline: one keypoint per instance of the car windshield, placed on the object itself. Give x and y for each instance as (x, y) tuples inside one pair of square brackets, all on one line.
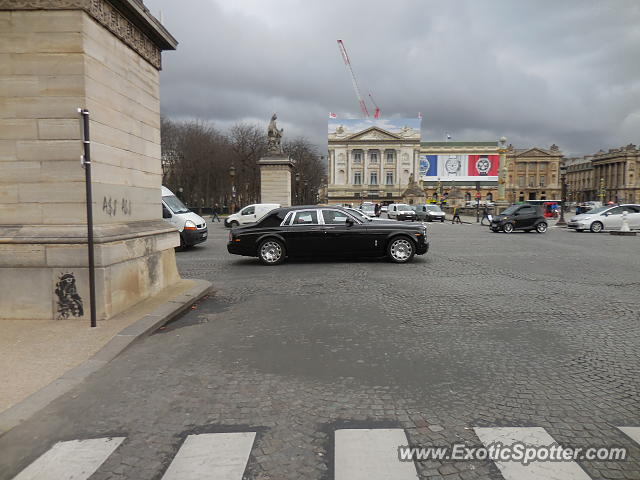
[(598, 210), (511, 210), (433, 208), (174, 204), (404, 208), (368, 208)]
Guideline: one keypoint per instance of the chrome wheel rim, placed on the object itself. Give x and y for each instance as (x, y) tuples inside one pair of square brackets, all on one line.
[(401, 250), (596, 227), (542, 227), (271, 252), (508, 228)]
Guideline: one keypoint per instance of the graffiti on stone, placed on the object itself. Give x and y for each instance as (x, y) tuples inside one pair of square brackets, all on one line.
[(69, 302), (110, 206)]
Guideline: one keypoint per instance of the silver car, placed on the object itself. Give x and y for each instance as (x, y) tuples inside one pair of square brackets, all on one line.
[(608, 217)]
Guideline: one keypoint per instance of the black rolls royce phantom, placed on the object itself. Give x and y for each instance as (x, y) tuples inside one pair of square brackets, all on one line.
[(312, 231)]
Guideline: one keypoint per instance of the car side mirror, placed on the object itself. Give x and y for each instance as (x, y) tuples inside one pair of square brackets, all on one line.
[(166, 213), (349, 222)]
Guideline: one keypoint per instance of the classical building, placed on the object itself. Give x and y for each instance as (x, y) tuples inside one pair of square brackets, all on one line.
[(533, 174), (373, 163), (581, 185), (615, 174)]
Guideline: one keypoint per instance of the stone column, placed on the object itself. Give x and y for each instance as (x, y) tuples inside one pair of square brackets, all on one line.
[(55, 58)]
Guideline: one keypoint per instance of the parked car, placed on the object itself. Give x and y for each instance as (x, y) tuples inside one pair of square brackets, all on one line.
[(401, 211), (384, 208), (326, 231), (192, 227), (608, 217), (429, 213), (369, 209), (520, 217), (250, 214)]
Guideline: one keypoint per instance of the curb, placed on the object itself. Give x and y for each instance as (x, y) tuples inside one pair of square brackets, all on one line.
[(166, 312)]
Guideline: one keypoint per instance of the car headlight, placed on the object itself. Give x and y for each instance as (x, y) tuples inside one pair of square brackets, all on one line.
[(189, 225)]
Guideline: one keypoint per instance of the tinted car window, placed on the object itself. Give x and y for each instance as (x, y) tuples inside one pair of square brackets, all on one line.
[(527, 211), (334, 217), (272, 220), (617, 210), (306, 217), (249, 211)]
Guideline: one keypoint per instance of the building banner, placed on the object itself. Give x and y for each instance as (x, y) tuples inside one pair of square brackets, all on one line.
[(452, 166), (484, 165), (428, 165)]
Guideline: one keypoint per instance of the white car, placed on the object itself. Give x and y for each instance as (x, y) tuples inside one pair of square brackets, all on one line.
[(192, 227), (250, 214), (606, 218)]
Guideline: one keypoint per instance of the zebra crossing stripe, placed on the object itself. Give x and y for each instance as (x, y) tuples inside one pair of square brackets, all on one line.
[(535, 436), (371, 454), (73, 460), (219, 456), (632, 432)]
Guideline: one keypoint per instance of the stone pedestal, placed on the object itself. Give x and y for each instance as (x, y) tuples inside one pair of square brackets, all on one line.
[(55, 59), (275, 179)]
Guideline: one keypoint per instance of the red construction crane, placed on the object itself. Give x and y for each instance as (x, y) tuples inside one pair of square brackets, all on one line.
[(345, 57), (377, 113)]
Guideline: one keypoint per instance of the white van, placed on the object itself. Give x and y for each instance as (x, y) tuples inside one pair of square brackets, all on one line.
[(250, 214), (192, 227), (401, 211)]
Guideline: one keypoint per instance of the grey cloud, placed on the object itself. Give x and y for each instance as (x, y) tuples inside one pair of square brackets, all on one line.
[(542, 72)]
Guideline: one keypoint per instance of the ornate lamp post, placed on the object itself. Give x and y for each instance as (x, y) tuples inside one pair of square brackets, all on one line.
[(305, 192), (297, 188), (502, 169), (563, 199), (232, 174)]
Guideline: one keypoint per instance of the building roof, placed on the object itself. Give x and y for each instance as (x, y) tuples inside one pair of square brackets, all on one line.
[(459, 144)]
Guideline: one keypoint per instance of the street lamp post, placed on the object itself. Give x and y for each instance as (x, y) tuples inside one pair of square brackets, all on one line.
[(232, 174), (297, 188), (563, 194), (502, 169)]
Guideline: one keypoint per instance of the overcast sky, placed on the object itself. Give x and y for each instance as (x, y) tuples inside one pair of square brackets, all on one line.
[(538, 72)]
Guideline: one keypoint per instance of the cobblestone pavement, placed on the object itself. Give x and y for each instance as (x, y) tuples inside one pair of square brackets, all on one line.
[(485, 330)]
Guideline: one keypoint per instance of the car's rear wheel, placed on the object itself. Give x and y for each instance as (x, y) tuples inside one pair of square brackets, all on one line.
[(507, 228), (596, 227), (401, 250), (271, 251), (541, 227)]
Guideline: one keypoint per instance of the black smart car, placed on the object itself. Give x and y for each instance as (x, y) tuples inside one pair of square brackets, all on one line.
[(312, 231), (520, 217)]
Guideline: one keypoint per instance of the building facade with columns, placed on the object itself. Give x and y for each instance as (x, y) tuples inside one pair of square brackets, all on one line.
[(581, 185), (369, 161), (533, 174), (615, 174)]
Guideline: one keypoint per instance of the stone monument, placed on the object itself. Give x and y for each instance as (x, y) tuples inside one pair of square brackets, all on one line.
[(275, 169), (58, 56), (414, 195)]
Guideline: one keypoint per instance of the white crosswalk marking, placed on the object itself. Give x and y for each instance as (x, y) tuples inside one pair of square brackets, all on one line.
[(219, 456), (536, 470), (632, 432), (371, 454), (74, 460)]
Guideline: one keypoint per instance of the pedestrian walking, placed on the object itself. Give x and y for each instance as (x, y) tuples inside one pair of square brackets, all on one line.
[(214, 213), (376, 210), (485, 215), (456, 216)]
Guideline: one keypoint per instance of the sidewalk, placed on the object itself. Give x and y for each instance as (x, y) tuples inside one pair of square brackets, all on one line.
[(34, 354)]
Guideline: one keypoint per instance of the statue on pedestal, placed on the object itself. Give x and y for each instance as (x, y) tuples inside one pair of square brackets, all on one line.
[(274, 137)]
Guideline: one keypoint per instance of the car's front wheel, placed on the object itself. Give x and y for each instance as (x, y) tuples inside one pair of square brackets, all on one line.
[(541, 227), (401, 250), (233, 224), (271, 251), (507, 228), (596, 227)]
